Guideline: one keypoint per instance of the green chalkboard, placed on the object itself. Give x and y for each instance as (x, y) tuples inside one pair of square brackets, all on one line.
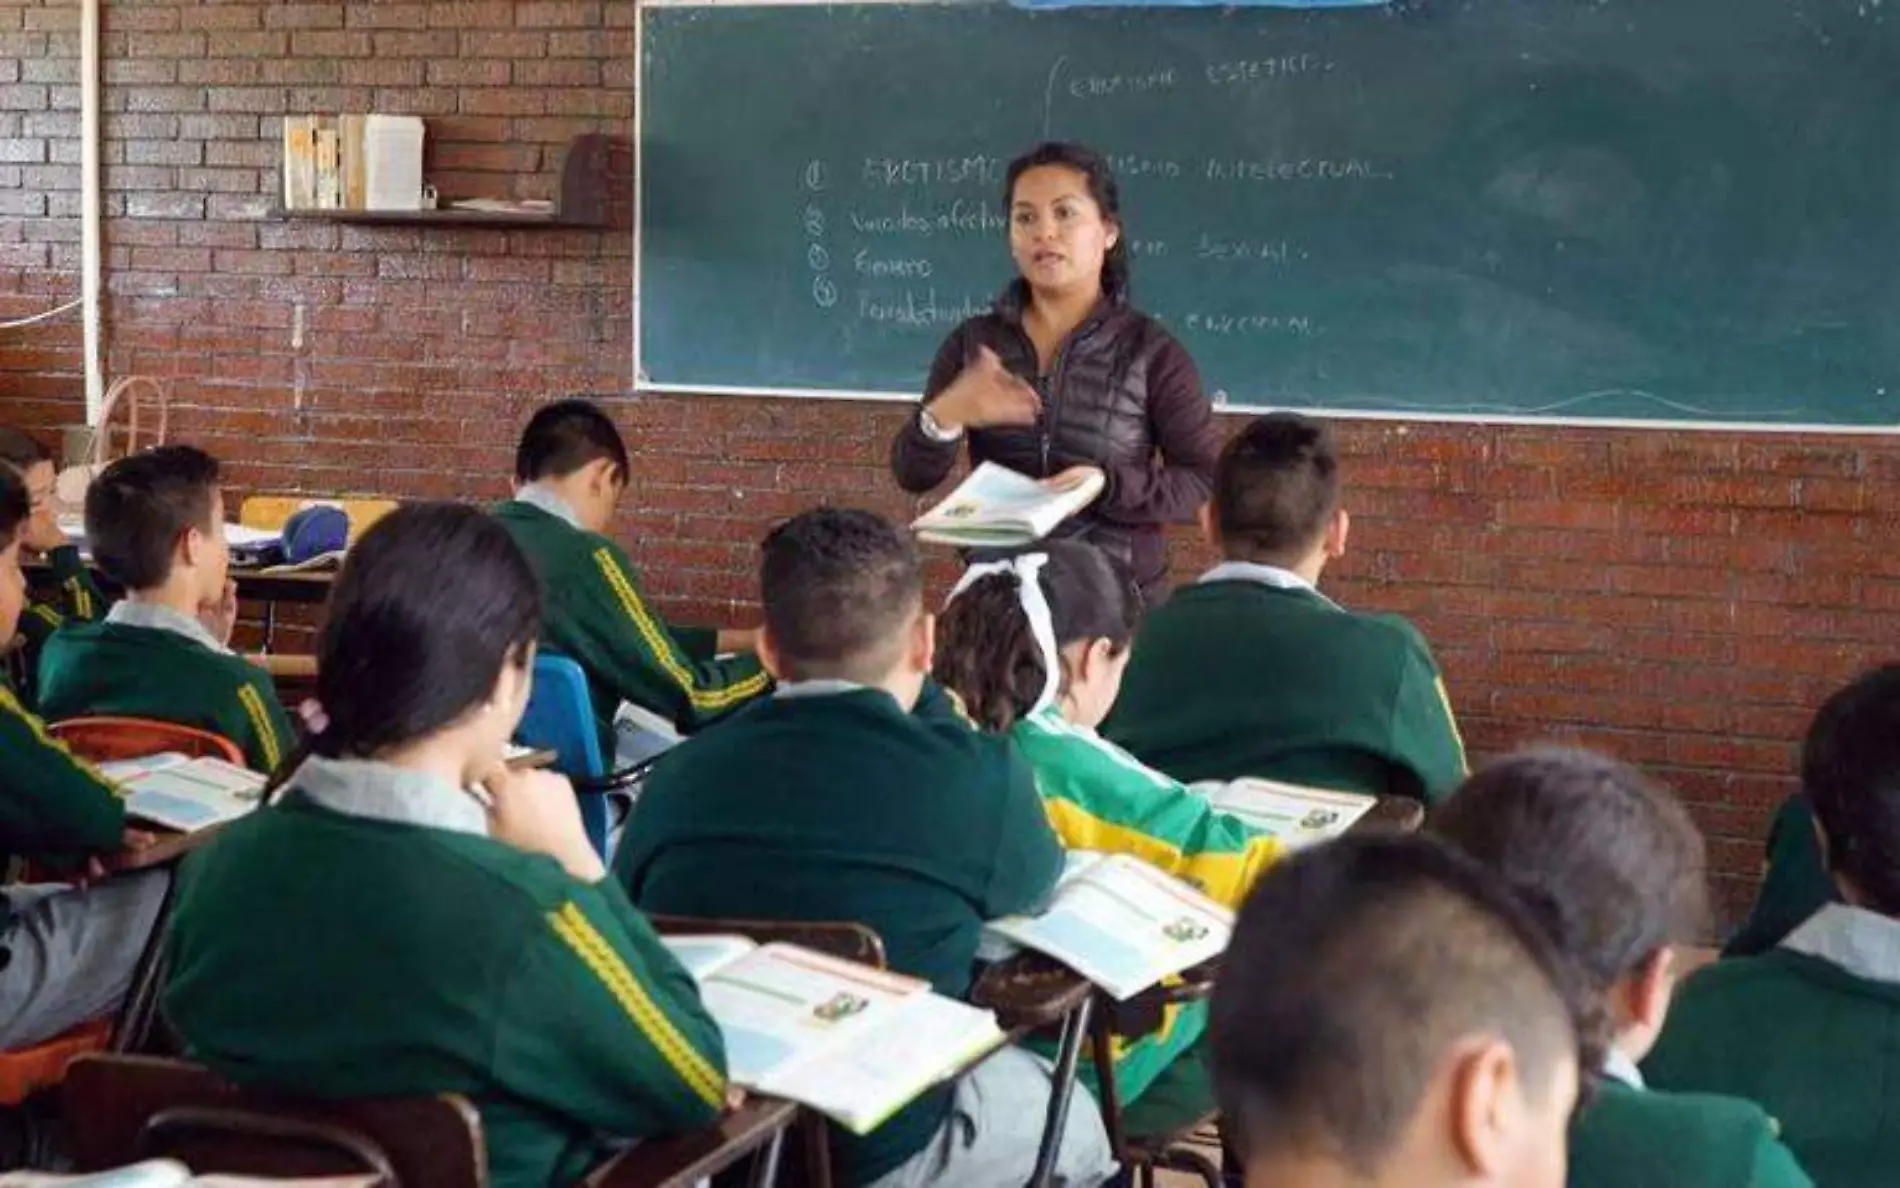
[(1651, 210)]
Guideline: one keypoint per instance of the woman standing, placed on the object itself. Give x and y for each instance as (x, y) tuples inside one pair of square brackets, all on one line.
[(1065, 373)]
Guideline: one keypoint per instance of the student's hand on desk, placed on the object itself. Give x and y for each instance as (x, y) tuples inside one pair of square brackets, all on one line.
[(220, 617), (130, 840), (986, 393), (535, 811)]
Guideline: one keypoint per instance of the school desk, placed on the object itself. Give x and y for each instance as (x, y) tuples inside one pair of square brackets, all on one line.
[(683, 1160)]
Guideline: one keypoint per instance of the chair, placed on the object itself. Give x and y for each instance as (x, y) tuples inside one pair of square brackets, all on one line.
[(560, 718), (102, 740), (26, 1071), (847, 940), (1142, 1155), (121, 1109)]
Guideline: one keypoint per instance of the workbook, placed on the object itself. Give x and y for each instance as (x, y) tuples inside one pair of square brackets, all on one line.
[(1296, 815), (856, 1044), (1122, 923), (183, 793), (998, 508)]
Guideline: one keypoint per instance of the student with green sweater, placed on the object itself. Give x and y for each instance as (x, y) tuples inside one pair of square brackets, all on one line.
[(1389, 1016), (75, 597), (1036, 646), (156, 525), (1617, 871), (383, 930), (570, 470), (1806, 1029), (857, 792), (1795, 883), (66, 953), (1253, 672)]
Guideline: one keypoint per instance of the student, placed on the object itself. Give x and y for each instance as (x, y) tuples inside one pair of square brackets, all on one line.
[(1254, 672), (76, 599), (858, 793), (1388, 1016), (67, 953), (1795, 883), (1035, 646), (570, 470), (1803, 1029), (381, 930), (1618, 870), (156, 525)]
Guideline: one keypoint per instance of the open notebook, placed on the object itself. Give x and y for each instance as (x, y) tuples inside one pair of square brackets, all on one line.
[(1295, 815), (998, 508), (1122, 924), (185, 794), (854, 1043)]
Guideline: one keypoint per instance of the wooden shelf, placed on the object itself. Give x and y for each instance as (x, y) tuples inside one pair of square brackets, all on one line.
[(439, 218)]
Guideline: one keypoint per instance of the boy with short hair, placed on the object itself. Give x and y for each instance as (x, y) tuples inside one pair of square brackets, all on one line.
[(857, 792), (155, 522), (570, 470), (1618, 869), (1803, 1029), (1253, 672), (1388, 1016), (76, 598), (66, 953)]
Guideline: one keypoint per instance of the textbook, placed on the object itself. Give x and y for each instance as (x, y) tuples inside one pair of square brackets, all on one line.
[(1297, 816), (1122, 923), (185, 794), (995, 507), (856, 1044), (169, 1173)]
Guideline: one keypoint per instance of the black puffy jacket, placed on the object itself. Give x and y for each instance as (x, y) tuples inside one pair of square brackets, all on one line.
[(1123, 395)]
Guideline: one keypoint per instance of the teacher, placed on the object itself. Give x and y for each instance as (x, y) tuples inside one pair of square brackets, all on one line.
[(1065, 373)]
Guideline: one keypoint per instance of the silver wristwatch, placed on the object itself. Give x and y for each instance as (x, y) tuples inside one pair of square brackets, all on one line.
[(935, 431)]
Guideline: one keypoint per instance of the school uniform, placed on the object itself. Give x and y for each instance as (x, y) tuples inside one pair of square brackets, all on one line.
[(597, 614), (75, 598), (1805, 1031), (830, 801), (1253, 672), (363, 937), (1795, 886), (1635, 1137), (150, 661), (66, 953), (1099, 797)]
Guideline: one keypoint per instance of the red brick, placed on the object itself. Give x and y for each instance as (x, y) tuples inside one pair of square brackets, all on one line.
[(387, 16), (504, 45), (302, 16)]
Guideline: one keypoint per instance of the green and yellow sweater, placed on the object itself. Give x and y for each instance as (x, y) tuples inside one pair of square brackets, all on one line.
[(597, 614), (54, 807), (73, 598)]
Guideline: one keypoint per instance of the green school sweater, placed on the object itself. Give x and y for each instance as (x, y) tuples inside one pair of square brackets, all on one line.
[(1099, 797), (1813, 1043), (1795, 886), (117, 669), (342, 957), (54, 807), (597, 614), (1639, 1138), (842, 806), (75, 598), (1233, 678)]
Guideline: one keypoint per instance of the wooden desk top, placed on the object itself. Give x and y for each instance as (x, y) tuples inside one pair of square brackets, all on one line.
[(688, 1158)]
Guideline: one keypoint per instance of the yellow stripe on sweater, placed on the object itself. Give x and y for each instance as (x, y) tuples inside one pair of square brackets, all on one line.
[(47, 615), (10, 704), (1224, 878), (253, 703), (82, 598), (661, 646), (594, 951)]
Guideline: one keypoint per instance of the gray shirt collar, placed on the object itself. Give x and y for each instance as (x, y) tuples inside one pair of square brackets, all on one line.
[(383, 792), (1263, 575), (1619, 1067), (536, 495), (795, 690), (153, 616), (1863, 943)]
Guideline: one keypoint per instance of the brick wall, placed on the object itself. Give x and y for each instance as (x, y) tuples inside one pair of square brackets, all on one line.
[(1683, 600)]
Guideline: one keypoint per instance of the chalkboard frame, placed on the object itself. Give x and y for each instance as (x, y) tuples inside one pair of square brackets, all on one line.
[(643, 384)]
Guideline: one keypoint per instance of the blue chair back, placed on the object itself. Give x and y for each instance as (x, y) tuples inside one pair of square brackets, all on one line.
[(560, 718)]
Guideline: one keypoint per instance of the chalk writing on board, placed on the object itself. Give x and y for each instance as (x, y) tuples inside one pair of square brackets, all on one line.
[(1253, 70), (900, 173), (1289, 325), (1147, 248), (1130, 165), (824, 291), (961, 216), (1103, 86), (920, 310), (1249, 169), (1266, 251), (873, 266)]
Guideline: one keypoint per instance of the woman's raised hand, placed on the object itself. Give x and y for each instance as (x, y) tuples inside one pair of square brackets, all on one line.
[(986, 393)]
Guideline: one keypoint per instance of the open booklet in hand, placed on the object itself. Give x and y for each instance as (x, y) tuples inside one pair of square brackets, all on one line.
[(998, 508), (1297, 816), (856, 1044), (1122, 923), (185, 794)]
